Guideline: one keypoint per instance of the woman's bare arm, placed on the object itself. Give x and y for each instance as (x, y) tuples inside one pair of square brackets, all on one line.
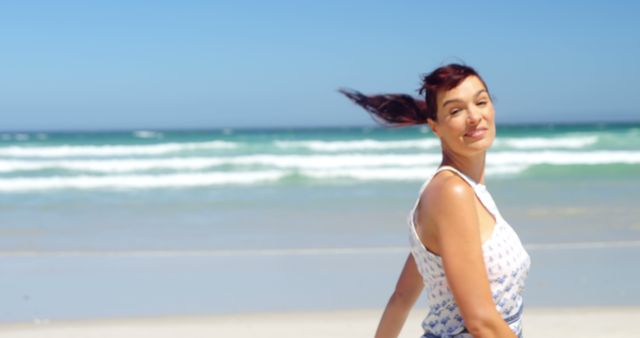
[(460, 245), (407, 291)]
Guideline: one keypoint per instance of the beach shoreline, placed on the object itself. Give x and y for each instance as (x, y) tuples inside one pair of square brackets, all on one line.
[(546, 322)]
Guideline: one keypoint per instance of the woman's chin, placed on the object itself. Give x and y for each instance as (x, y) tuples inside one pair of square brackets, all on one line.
[(480, 145)]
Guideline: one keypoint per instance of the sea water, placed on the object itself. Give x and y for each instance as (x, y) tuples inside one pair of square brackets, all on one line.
[(103, 224)]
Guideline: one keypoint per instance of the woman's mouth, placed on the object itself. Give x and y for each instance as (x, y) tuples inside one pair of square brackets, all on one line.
[(477, 133)]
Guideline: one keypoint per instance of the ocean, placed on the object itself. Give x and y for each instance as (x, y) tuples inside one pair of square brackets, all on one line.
[(143, 223)]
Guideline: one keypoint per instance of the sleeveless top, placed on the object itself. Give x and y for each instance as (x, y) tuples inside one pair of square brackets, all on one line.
[(507, 265)]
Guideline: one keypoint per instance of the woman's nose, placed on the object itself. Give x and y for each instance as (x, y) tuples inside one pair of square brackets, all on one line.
[(474, 116)]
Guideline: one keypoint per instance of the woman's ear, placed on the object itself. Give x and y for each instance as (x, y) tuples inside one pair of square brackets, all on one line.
[(434, 126)]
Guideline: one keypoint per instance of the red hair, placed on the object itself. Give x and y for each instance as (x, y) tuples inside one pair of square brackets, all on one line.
[(399, 110)]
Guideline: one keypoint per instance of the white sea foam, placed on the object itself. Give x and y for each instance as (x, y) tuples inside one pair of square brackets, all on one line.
[(275, 167), (569, 142), (367, 144), (66, 151), (499, 162), (573, 142), (563, 157), (111, 166), (137, 181), (338, 161), (112, 150), (147, 134), (365, 174), (278, 161), (397, 174)]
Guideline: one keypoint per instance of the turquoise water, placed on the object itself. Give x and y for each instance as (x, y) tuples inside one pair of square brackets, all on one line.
[(143, 160), (197, 222)]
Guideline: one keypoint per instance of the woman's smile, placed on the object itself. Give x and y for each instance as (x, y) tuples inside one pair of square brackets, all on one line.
[(476, 134)]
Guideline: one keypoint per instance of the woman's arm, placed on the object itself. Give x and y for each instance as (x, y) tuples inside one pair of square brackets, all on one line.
[(460, 246), (408, 288)]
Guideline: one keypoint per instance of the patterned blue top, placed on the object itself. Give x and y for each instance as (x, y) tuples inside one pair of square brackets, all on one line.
[(507, 265)]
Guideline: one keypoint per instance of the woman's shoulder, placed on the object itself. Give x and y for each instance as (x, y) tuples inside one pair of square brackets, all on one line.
[(439, 206), (446, 185), (445, 192)]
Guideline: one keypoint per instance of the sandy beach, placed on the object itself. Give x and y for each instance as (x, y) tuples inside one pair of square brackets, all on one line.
[(581, 322)]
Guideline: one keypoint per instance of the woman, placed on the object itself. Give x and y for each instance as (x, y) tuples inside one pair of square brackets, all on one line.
[(469, 258)]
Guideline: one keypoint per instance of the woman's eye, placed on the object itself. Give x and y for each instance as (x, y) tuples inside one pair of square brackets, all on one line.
[(455, 111), (482, 103)]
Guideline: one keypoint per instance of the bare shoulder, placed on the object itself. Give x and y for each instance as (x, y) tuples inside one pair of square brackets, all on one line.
[(446, 192), (439, 211)]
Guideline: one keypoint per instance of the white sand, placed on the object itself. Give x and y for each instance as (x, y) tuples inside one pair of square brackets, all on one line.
[(538, 322)]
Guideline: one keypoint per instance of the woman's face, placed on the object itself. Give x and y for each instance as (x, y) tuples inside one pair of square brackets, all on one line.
[(465, 118)]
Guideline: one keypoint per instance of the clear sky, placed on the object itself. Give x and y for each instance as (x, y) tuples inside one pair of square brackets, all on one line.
[(69, 65)]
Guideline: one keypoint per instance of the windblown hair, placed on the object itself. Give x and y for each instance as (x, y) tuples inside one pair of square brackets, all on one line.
[(399, 110)]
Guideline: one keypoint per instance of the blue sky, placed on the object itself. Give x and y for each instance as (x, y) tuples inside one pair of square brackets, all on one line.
[(69, 65)]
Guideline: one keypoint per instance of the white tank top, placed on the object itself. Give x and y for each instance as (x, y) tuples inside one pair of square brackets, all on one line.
[(507, 265)]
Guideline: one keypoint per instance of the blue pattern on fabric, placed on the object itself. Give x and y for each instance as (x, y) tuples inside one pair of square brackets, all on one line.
[(507, 265)]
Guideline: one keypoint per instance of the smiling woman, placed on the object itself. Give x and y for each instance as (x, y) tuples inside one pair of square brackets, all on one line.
[(466, 122), (468, 257)]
